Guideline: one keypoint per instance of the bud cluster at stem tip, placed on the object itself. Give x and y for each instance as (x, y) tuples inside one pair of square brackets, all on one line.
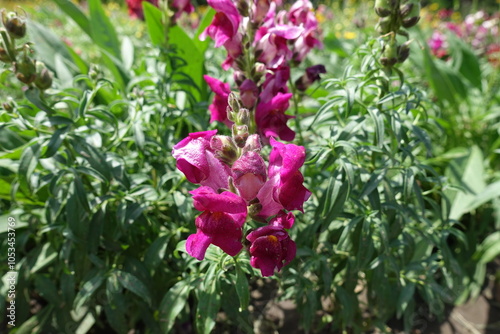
[(394, 16), (28, 70), (238, 186)]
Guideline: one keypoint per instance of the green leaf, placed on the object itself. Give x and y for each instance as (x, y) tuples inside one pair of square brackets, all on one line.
[(194, 60), (133, 284), (63, 73), (55, 142), (242, 288), (88, 290), (489, 193), (127, 52), (27, 165), (102, 31), (44, 256), (153, 17), (489, 248), (33, 95), (47, 289), (468, 173), (172, 304), (74, 12), (405, 297), (48, 45), (465, 61), (209, 303), (156, 252)]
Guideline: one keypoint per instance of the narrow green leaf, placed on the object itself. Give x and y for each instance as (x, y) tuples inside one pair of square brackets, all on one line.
[(152, 16), (74, 12), (55, 142), (88, 290), (242, 288), (156, 252), (102, 31), (47, 289), (27, 165), (209, 302), (172, 304), (205, 22), (127, 52), (133, 284)]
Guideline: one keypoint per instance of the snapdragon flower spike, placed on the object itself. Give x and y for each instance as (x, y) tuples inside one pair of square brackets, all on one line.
[(198, 161), (271, 248)]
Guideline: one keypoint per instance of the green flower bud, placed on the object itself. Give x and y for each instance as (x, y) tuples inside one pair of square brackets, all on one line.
[(384, 8), (389, 54), (403, 51), (225, 149), (4, 56), (15, 25), (25, 69), (240, 134), (411, 14), (384, 25), (10, 105), (43, 76)]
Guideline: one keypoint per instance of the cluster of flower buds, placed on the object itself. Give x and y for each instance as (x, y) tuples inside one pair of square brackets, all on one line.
[(27, 70), (237, 186), (394, 16), (177, 7), (262, 44)]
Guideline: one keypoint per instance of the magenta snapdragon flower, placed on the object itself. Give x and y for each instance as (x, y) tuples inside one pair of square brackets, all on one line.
[(226, 21), (271, 248), (284, 188), (218, 108), (198, 161), (271, 118)]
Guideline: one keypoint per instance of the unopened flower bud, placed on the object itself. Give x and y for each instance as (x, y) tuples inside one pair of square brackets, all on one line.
[(384, 25), (403, 51), (261, 10), (25, 69), (243, 117), (233, 102), (252, 144), (15, 25), (412, 14), (43, 76), (243, 7), (389, 56), (240, 134), (10, 105), (383, 8), (249, 92), (4, 56), (224, 148)]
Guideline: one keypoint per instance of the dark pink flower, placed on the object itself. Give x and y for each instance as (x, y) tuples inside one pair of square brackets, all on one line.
[(207, 199), (198, 162), (224, 26), (271, 248), (249, 174), (221, 229), (181, 6), (311, 75), (305, 42), (272, 44), (276, 82), (302, 12), (283, 219), (135, 8), (284, 189), (218, 108), (271, 119), (249, 92)]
